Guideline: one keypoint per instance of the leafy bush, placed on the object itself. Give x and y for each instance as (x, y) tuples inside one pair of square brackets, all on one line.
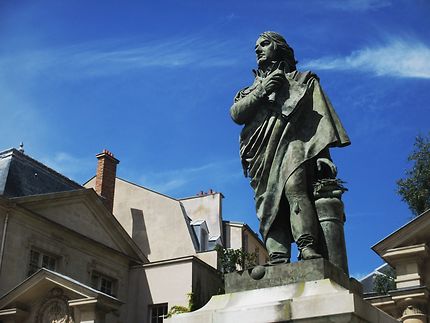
[(231, 260)]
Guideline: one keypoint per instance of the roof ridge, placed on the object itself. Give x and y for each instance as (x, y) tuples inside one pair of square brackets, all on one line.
[(144, 187)]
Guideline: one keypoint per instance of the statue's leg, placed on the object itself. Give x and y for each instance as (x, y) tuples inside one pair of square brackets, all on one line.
[(278, 242), (304, 221)]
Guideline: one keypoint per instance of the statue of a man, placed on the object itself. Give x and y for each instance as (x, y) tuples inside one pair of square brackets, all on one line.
[(289, 126)]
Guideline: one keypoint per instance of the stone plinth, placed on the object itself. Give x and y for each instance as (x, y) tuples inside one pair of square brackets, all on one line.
[(319, 299), (284, 274)]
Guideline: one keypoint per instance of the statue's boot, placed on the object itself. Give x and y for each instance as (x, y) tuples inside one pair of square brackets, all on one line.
[(304, 227), (278, 259), (303, 218), (309, 253)]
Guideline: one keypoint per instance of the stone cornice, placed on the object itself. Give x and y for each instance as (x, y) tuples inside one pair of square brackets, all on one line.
[(408, 232), (415, 252)]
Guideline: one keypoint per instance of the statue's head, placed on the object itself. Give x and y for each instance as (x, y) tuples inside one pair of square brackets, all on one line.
[(272, 47)]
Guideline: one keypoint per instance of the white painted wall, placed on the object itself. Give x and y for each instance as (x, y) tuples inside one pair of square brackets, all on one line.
[(208, 208)]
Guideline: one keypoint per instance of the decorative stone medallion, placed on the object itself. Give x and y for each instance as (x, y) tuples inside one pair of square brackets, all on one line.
[(55, 308)]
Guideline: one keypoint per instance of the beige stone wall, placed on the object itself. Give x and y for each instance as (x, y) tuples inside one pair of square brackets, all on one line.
[(206, 207), (426, 275), (233, 236), (209, 257), (238, 237), (76, 215), (426, 272), (3, 212), (139, 296), (158, 283), (170, 282), (77, 256), (3, 215), (206, 283), (255, 246), (156, 222)]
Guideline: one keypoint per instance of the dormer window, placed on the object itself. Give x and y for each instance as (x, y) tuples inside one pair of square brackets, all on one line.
[(202, 234)]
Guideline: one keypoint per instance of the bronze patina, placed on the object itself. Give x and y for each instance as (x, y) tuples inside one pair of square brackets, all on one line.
[(289, 125)]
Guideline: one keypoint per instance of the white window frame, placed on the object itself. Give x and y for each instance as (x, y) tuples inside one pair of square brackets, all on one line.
[(159, 317)]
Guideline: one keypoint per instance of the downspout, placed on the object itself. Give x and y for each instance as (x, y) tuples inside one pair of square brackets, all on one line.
[(3, 240)]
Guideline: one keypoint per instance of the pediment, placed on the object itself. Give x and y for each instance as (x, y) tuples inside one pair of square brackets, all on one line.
[(33, 298), (415, 232), (83, 212)]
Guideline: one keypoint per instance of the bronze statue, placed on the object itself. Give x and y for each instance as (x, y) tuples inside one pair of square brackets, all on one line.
[(289, 126)]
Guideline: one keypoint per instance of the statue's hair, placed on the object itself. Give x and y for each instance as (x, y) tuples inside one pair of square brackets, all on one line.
[(282, 49)]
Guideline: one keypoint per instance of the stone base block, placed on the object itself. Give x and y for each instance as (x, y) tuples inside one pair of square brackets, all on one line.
[(312, 301), (284, 274)]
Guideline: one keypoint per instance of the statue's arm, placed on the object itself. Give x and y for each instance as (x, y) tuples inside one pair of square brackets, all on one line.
[(249, 100), (246, 103)]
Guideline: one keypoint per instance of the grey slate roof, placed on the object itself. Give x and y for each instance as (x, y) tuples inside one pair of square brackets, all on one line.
[(21, 175)]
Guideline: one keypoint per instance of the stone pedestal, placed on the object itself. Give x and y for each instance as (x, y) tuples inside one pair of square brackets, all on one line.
[(311, 296), (285, 274)]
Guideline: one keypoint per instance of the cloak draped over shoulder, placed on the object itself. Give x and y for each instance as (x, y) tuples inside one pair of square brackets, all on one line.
[(280, 135)]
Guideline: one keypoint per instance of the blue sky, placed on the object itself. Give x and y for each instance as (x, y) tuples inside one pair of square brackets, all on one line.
[(153, 82)]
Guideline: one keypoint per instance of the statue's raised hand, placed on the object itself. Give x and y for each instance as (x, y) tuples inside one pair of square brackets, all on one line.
[(327, 163), (275, 79)]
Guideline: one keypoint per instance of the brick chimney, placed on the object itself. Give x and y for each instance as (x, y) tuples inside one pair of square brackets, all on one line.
[(105, 177)]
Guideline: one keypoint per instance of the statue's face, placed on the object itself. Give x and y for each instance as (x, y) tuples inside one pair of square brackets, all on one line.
[(265, 51)]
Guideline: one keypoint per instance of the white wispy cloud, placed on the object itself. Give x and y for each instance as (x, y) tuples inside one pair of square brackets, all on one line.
[(113, 57), (398, 58), (357, 5), (70, 166), (213, 174)]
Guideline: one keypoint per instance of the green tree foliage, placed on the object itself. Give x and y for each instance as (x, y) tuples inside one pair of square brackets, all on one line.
[(231, 260), (415, 188), (384, 281), (178, 309)]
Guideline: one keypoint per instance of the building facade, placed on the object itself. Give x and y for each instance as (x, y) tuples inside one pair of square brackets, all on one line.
[(48, 221), (118, 253), (178, 236), (407, 252)]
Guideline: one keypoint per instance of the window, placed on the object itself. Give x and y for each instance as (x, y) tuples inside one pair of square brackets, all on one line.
[(103, 283), (157, 312), (39, 259), (203, 240)]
